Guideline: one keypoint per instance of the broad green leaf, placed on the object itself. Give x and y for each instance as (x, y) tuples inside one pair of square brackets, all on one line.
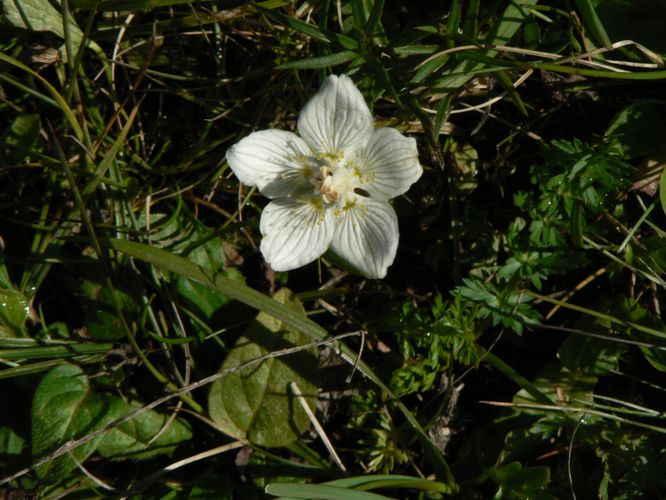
[(14, 307), (256, 403), (197, 244), (590, 355), (208, 255), (14, 311), (39, 15), (63, 410), (135, 439), (639, 129), (12, 446), (20, 138)]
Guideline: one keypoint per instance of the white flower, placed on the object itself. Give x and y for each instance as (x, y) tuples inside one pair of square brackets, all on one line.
[(329, 187)]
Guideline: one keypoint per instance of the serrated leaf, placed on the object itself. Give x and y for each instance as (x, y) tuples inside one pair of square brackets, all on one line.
[(63, 410), (134, 439), (256, 402)]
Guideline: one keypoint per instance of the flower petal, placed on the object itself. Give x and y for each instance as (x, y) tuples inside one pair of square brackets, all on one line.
[(389, 164), (295, 232), (336, 118), (273, 160), (366, 236)]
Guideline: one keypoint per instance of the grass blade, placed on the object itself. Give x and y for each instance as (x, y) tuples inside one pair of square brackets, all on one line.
[(321, 61), (593, 22)]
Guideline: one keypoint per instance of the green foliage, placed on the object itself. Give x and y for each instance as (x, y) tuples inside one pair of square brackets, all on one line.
[(147, 435), (257, 402), (517, 337), (63, 408)]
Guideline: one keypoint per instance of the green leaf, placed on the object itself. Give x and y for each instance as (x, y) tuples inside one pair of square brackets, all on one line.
[(12, 446), (252, 298), (638, 129), (319, 492), (20, 138), (256, 403), (592, 22), (220, 283), (63, 410), (208, 255), (199, 245), (662, 190), (14, 311), (97, 300), (527, 481), (321, 61), (372, 482), (589, 355), (60, 101), (39, 15), (577, 224), (136, 439)]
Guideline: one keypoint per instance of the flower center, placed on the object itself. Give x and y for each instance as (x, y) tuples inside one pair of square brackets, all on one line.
[(332, 179)]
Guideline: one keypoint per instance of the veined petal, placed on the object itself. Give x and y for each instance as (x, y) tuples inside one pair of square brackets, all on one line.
[(389, 164), (366, 235), (295, 232), (336, 118), (273, 160)]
